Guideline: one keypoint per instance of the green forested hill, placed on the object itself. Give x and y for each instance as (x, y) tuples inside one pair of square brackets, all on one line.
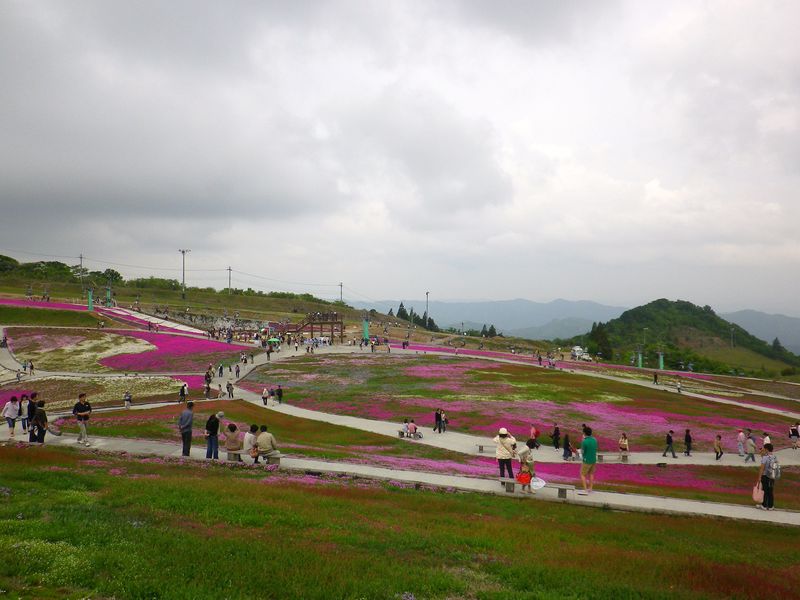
[(687, 333)]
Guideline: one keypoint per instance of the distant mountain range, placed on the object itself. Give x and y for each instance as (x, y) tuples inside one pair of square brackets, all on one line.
[(522, 318), (768, 327)]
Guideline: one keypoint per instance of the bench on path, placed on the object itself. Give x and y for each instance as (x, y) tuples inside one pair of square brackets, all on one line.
[(509, 483), (271, 458), (562, 488), (602, 456)]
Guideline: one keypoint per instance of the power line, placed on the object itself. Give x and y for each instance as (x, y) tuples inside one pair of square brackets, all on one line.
[(148, 268), (349, 289), (287, 282), (38, 254)]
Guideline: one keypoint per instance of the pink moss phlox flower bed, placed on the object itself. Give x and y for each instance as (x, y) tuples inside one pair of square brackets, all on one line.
[(172, 353), (121, 316), (38, 304)]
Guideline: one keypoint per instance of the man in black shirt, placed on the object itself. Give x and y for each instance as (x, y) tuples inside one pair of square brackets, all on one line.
[(82, 410), (669, 447), (212, 435)]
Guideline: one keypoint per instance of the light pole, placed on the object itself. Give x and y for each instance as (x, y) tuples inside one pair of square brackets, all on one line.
[(427, 316), (183, 252)]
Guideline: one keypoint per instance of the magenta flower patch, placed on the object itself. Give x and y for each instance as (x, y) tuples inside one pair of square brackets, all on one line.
[(172, 353)]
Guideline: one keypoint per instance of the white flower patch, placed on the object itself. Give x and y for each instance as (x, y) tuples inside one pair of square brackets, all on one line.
[(84, 356)]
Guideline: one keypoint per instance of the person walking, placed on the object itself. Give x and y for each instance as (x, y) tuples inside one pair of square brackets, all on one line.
[(655, 377), (127, 399), (687, 440), (437, 421), (185, 426), (264, 396), (669, 447), (556, 437), (82, 410), (39, 423), (740, 440), (445, 422), (718, 447), (794, 435), (624, 446), (182, 394), (767, 473), (589, 462), (279, 394), (766, 439), (504, 451), (212, 435), (11, 414), (237, 370), (750, 446), (229, 387), (24, 411)]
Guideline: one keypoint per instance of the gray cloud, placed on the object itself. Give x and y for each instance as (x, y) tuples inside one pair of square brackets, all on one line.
[(603, 147)]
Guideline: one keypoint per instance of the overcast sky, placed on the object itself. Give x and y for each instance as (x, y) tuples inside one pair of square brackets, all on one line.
[(609, 151)]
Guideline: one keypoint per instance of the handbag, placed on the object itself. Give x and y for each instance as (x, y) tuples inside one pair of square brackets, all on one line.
[(254, 452), (758, 493)]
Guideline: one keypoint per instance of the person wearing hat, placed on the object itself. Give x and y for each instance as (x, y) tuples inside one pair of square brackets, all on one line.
[(505, 450), (212, 435)]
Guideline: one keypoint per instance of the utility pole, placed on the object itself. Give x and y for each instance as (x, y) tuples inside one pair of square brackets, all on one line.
[(229, 281), (81, 271), (183, 252), (340, 291), (427, 316)]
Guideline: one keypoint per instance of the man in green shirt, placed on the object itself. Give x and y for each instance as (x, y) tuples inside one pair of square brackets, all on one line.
[(589, 454)]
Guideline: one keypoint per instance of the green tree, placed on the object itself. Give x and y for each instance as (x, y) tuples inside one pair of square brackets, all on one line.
[(391, 312), (484, 331), (777, 346), (402, 313), (492, 331)]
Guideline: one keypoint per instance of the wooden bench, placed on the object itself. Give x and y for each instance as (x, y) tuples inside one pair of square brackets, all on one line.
[(562, 488)]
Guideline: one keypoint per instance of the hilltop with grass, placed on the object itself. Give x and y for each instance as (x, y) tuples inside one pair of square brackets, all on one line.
[(690, 336)]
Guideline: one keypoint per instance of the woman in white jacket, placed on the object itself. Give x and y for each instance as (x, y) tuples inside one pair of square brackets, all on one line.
[(11, 414), (506, 448)]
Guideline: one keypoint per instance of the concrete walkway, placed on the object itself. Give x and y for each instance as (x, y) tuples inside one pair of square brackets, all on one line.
[(609, 500)]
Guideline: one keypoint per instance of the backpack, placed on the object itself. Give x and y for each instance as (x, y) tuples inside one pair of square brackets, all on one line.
[(775, 468)]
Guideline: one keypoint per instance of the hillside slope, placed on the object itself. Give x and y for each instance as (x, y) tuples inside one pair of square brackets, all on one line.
[(689, 334)]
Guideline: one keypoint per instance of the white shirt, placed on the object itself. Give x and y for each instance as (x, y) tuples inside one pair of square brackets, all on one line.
[(249, 441), (11, 410)]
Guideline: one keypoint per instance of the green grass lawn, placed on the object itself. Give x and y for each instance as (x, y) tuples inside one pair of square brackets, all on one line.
[(17, 315), (148, 528)]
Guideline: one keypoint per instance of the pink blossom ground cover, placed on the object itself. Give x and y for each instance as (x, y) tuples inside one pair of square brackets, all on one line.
[(172, 353), (480, 397)]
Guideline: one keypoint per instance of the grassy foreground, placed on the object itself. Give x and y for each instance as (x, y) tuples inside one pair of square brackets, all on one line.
[(146, 528)]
